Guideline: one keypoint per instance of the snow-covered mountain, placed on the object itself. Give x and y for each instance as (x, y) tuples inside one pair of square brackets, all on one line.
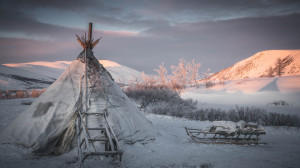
[(15, 78), (121, 74), (263, 64), (35, 75)]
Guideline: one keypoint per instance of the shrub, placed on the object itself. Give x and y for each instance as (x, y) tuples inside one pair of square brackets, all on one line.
[(167, 102), (279, 103), (209, 84), (162, 101)]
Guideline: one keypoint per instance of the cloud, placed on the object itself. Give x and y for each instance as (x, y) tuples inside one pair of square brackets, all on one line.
[(76, 5), (216, 45), (147, 13), (17, 22), (202, 10), (119, 24), (14, 50), (142, 34)]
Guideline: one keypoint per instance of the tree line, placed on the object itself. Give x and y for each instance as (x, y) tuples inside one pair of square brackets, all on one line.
[(182, 75)]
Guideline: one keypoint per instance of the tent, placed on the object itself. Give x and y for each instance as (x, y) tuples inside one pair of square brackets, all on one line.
[(85, 91)]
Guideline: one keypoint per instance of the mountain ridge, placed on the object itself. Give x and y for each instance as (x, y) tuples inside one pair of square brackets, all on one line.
[(262, 64), (40, 74)]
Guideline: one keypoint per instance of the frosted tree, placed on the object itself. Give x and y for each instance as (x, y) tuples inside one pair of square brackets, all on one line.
[(208, 82), (163, 74), (148, 81), (180, 73), (193, 69), (174, 85), (282, 63), (206, 74), (270, 72), (279, 65)]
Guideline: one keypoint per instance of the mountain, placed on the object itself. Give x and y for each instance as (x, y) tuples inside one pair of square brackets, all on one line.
[(44, 68), (121, 74), (35, 75), (263, 64), (14, 78)]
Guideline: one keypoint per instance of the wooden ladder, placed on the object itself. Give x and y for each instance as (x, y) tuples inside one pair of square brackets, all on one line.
[(86, 143)]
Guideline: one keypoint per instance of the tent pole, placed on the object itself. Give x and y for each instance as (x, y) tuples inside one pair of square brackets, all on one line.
[(86, 89)]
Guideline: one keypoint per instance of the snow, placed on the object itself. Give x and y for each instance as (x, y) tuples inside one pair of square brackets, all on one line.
[(121, 74), (49, 71), (172, 148), (13, 78), (258, 92), (47, 118), (55, 64), (34, 127), (259, 64)]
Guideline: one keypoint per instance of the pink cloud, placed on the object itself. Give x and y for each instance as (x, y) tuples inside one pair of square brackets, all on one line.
[(121, 33)]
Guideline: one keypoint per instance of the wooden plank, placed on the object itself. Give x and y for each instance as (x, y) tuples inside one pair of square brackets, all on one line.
[(93, 113), (82, 43), (112, 131), (201, 140), (109, 139), (85, 133), (90, 32), (78, 140), (96, 42)]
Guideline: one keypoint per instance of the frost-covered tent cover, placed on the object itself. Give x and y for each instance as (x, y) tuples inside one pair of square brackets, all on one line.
[(48, 125)]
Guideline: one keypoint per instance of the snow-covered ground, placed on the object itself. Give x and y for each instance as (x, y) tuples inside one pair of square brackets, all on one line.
[(172, 147), (251, 92)]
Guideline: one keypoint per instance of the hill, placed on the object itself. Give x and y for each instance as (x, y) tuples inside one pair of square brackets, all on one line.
[(263, 64), (36, 75)]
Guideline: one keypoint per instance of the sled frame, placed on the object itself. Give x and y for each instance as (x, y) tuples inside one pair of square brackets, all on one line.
[(238, 137)]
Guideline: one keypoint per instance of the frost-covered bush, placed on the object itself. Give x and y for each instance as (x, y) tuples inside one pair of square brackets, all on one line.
[(162, 101), (175, 108), (276, 119), (248, 114), (209, 84), (14, 94), (147, 96), (279, 103)]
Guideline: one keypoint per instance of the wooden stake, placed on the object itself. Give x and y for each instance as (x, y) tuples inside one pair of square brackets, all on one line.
[(90, 32), (89, 43)]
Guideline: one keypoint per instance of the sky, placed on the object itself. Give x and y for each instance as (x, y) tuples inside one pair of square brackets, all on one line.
[(142, 34)]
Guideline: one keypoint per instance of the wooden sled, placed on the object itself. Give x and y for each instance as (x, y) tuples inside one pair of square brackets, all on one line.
[(249, 134)]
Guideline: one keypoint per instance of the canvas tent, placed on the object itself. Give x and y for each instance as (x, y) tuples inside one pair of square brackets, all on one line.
[(84, 91)]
